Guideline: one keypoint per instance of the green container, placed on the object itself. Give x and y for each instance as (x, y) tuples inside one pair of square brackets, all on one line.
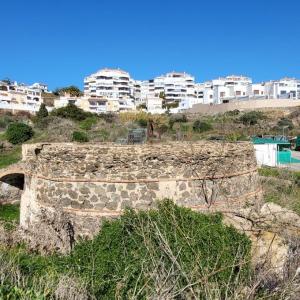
[(297, 146), (284, 156)]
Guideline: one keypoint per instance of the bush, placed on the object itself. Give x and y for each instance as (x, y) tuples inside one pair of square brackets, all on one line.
[(43, 112), (147, 255), (79, 136), (201, 126), (72, 112), (18, 133), (142, 122), (140, 250), (107, 117), (252, 117), (236, 136), (177, 119), (232, 113), (284, 122), (141, 106), (88, 123)]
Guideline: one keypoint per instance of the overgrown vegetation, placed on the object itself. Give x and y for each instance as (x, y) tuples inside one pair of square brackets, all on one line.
[(170, 252), (252, 117), (201, 126), (232, 126), (9, 157), (285, 122), (18, 133), (72, 112), (72, 90), (42, 112), (9, 215), (88, 123), (79, 136), (282, 187)]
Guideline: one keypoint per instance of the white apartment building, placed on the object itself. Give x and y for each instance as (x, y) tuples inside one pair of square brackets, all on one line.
[(14, 96), (154, 105), (173, 87), (285, 88), (188, 103), (109, 84), (225, 89), (258, 91), (95, 104), (42, 87), (110, 90)]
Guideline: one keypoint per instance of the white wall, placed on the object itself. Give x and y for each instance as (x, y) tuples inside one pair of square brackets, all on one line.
[(266, 154)]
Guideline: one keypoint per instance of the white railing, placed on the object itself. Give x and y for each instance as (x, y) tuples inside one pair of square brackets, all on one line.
[(17, 106)]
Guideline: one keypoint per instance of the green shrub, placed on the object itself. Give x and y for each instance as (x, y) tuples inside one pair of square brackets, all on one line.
[(142, 122), (88, 123), (107, 117), (79, 136), (8, 291), (252, 117), (284, 122), (137, 253), (18, 133), (43, 112), (141, 106), (236, 136), (201, 126), (71, 111), (232, 113), (142, 253)]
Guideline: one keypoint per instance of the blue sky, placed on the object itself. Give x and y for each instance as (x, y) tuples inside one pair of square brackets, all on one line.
[(59, 42)]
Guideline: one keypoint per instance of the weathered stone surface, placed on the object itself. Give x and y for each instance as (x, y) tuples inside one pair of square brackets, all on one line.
[(111, 188), (84, 190), (73, 195), (272, 230), (182, 186), (113, 204), (94, 198), (124, 194), (130, 186), (93, 181)]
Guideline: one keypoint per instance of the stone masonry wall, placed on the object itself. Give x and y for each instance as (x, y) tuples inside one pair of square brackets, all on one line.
[(94, 181)]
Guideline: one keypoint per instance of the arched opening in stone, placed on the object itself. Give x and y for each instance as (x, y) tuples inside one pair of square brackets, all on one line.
[(11, 188), (14, 179)]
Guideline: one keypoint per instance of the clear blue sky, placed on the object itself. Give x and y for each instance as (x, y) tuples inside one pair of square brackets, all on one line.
[(60, 41)]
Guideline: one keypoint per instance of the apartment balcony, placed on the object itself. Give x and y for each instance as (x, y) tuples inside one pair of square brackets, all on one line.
[(104, 78), (19, 106), (4, 97), (124, 79), (97, 109)]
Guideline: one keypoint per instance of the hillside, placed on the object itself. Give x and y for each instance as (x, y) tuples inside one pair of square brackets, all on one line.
[(165, 252)]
